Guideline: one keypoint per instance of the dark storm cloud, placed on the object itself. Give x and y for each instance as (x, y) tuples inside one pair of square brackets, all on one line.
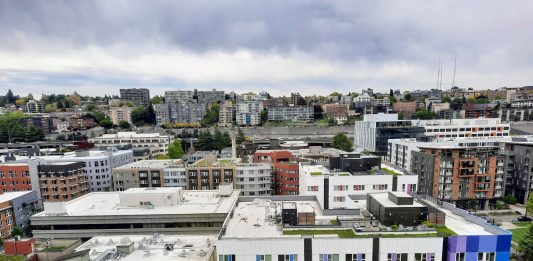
[(338, 29), (488, 36)]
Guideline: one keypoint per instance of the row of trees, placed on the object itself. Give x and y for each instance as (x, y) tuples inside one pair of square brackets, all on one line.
[(525, 245), (342, 142), (213, 141), (12, 129)]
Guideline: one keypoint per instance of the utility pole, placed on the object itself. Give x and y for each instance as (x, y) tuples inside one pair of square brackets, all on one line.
[(454, 66)]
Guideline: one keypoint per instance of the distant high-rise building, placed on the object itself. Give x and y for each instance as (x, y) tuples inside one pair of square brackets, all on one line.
[(302, 113), (226, 116), (249, 112), (139, 97), (33, 106), (375, 130), (162, 114), (295, 96), (119, 114)]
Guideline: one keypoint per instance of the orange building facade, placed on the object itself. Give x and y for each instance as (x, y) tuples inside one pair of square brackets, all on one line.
[(14, 177), (286, 170)]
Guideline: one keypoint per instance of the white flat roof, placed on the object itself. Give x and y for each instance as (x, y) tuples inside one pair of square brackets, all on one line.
[(154, 164), (459, 224), (108, 204), (7, 196), (257, 219), (186, 247), (131, 134), (161, 190)]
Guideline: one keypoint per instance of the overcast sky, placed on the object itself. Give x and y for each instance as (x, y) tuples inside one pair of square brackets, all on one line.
[(314, 47)]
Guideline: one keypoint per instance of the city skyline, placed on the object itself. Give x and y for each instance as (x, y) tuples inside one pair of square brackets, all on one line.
[(309, 47)]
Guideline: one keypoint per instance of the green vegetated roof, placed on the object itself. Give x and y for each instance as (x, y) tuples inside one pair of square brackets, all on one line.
[(349, 233)]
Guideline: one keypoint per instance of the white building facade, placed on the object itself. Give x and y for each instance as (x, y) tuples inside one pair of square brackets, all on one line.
[(98, 166), (459, 128), (341, 185), (157, 142), (253, 179)]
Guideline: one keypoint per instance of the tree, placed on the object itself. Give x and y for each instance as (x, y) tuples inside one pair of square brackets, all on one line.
[(163, 157), (90, 107), (446, 99), (175, 150), (11, 129), (219, 139), (16, 231), (264, 116), (138, 116), (211, 114), (240, 136), (50, 108), (424, 115), (31, 134), (457, 103), (525, 246), (10, 97), (391, 93), (20, 102), (149, 117), (124, 124), (156, 99), (106, 123), (206, 140), (509, 199), (408, 97), (226, 139), (301, 101), (341, 142), (529, 203)]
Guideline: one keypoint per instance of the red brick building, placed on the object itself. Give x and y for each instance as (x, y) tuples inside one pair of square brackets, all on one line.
[(24, 246), (286, 170), (14, 177)]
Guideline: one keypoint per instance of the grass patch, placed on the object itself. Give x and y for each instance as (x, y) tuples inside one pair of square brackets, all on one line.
[(333, 222), (522, 224), (346, 233), (12, 258), (389, 171), (444, 231), (519, 233), (349, 233), (54, 249), (399, 235), (316, 173)]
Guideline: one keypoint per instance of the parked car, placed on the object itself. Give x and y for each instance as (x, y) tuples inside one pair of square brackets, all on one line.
[(523, 218)]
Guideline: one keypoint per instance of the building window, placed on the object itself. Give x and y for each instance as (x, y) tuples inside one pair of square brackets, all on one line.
[(263, 258), (358, 187), (459, 256), (397, 257), (226, 257), (329, 257), (340, 187), (355, 257), (424, 256), (312, 188), (287, 257), (486, 256), (339, 199)]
